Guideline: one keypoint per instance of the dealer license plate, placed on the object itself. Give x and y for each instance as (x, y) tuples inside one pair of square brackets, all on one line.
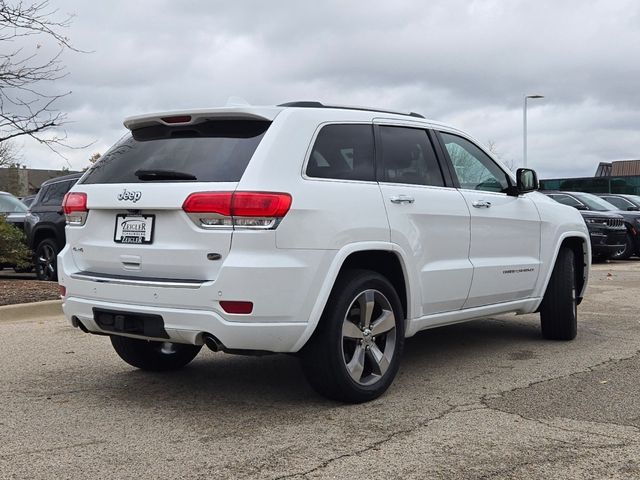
[(134, 229)]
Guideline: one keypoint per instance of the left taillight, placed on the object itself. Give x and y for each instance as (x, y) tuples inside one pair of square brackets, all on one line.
[(75, 208), (246, 210)]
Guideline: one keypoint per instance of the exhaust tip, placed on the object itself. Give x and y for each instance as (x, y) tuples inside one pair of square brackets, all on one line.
[(75, 321), (213, 343)]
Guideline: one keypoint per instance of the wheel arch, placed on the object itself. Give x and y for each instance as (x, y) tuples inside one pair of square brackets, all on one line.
[(43, 232), (381, 257), (580, 246)]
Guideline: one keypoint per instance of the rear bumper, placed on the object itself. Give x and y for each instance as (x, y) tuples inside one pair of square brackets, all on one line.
[(190, 326), (282, 285)]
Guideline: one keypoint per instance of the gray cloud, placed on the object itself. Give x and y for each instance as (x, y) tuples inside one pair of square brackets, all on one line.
[(466, 63)]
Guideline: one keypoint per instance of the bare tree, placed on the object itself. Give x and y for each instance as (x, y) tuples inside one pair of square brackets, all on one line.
[(9, 154), (27, 65), (493, 148)]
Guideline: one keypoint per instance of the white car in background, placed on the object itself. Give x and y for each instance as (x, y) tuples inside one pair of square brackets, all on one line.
[(333, 232)]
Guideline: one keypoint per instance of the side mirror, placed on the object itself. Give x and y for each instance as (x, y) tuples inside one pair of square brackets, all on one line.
[(633, 209), (526, 180)]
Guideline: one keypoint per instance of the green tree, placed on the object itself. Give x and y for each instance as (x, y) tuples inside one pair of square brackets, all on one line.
[(13, 250)]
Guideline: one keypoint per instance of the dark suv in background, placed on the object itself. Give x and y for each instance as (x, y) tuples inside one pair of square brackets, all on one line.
[(44, 225), (615, 243)]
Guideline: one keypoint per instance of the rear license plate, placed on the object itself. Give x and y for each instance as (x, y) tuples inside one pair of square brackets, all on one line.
[(134, 229)]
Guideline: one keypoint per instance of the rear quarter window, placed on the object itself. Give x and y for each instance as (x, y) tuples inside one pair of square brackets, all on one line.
[(343, 152), (53, 194), (213, 151)]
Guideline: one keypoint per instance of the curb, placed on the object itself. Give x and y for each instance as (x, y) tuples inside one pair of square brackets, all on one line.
[(30, 311)]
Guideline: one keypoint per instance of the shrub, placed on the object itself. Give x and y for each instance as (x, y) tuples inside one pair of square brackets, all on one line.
[(13, 249)]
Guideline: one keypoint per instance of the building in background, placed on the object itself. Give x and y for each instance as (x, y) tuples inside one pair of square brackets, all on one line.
[(26, 181), (611, 177)]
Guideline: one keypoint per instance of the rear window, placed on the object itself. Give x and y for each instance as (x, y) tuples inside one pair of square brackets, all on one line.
[(213, 151)]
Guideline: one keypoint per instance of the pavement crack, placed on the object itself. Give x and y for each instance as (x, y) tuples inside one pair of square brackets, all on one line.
[(570, 455), (589, 369), (379, 443), (51, 449)]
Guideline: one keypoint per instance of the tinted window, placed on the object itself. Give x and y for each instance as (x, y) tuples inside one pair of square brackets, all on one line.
[(567, 200), (594, 203), (408, 157), (54, 193), (619, 202), (343, 152), (474, 168), (214, 151)]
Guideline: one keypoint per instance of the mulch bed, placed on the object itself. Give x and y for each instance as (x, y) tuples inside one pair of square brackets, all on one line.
[(27, 291)]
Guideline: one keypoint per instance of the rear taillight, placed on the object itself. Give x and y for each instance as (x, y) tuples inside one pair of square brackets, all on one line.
[(253, 210), (74, 207)]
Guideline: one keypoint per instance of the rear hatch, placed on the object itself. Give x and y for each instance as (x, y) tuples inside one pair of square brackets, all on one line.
[(135, 225)]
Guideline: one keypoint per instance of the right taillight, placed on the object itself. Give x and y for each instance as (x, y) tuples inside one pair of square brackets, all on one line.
[(74, 206), (251, 210)]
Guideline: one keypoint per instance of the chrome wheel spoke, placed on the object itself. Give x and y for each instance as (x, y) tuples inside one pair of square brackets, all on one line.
[(379, 359), (351, 330), (50, 268), (367, 302), (356, 364), (384, 323), (367, 358)]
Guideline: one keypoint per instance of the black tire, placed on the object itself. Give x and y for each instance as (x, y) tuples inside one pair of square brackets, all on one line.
[(46, 260), (153, 356), (559, 308), (625, 252), (373, 359)]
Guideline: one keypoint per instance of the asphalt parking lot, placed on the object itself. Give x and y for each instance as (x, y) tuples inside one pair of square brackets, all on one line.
[(488, 399)]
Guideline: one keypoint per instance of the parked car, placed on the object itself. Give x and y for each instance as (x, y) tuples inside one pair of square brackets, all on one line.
[(12, 209), (44, 225), (622, 201), (333, 232), (28, 200), (592, 203), (607, 231)]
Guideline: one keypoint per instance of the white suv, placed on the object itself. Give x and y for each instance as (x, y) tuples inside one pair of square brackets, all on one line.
[(333, 232)]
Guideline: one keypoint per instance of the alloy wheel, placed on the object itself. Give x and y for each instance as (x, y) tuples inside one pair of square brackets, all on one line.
[(46, 261), (368, 337)]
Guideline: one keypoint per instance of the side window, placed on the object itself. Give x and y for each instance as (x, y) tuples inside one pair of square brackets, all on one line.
[(567, 200), (475, 169), (621, 203), (343, 152), (54, 193), (409, 157)]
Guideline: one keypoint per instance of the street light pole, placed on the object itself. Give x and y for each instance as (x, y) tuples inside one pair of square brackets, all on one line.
[(524, 128)]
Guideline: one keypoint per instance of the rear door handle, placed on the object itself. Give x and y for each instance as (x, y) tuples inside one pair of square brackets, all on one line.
[(481, 204), (402, 199)]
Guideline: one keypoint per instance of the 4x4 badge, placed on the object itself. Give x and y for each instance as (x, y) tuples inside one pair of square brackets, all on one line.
[(130, 195)]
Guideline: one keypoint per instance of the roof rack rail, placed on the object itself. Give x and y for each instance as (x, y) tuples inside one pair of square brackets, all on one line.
[(313, 104)]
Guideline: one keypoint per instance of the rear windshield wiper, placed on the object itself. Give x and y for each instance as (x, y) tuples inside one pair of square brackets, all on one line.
[(163, 175)]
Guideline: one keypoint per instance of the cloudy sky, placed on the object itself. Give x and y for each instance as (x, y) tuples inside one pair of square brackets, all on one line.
[(467, 63)]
